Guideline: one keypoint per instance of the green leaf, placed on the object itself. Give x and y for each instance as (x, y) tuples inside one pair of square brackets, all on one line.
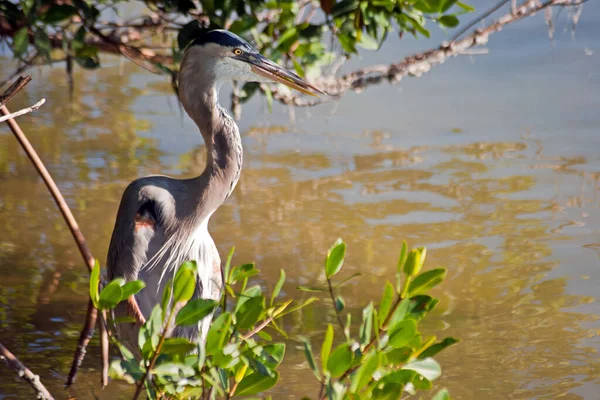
[(243, 24), (20, 42), (149, 334), (179, 346), (339, 304), (414, 262), (466, 7), (426, 281), (387, 391), (305, 303), (402, 333), (344, 7), (256, 383), (272, 355), (385, 305), (166, 297), (436, 348), (428, 368), (365, 372), (264, 335), (326, 346), (368, 43), (111, 295), (342, 283), (335, 258), (132, 288), (310, 357), (427, 6), (340, 360), (88, 62), (420, 305), (194, 311), (449, 21), (347, 42), (58, 12), (402, 376), (399, 356), (311, 289), (249, 312), (401, 262), (287, 38), (228, 357), (400, 312), (94, 283), (184, 284), (42, 43), (422, 383), (278, 286), (243, 271), (177, 370), (367, 324), (443, 394), (124, 319), (447, 4), (218, 333), (227, 269)]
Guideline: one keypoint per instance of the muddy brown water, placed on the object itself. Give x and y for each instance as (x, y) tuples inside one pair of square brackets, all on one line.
[(490, 161)]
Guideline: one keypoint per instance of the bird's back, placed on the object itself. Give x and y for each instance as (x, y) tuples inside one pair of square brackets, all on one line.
[(150, 241)]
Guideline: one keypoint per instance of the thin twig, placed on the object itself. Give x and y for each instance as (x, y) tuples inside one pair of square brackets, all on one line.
[(258, 328), (71, 223), (24, 373), (484, 16), (337, 313), (140, 384), (84, 339), (23, 111), (13, 89)]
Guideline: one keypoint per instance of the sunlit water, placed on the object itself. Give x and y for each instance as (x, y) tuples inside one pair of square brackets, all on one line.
[(491, 162)]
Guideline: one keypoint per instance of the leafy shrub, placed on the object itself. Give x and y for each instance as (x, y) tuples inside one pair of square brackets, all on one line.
[(387, 358)]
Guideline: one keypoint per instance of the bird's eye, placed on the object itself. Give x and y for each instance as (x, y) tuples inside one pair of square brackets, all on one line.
[(237, 52)]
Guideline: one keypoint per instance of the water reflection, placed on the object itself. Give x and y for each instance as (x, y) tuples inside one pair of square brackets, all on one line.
[(509, 222)]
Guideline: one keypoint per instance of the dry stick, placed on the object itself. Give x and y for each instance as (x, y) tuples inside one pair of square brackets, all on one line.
[(25, 373), (91, 316), (23, 111)]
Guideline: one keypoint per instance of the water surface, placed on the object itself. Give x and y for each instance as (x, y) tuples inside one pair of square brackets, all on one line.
[(490, 161)]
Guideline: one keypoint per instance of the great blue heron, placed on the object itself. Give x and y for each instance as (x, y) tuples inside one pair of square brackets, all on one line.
[(162, 221)]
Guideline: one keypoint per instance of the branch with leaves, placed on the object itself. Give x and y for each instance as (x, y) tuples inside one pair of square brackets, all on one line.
[(289, 32), (386, 359)]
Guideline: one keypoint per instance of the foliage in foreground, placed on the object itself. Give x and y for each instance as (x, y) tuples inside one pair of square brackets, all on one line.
[(387, 358)]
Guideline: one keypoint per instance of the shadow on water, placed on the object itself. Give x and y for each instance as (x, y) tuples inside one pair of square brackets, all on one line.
[(510, 211)]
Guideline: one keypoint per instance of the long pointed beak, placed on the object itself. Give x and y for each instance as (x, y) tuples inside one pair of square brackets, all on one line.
[(268, 69)]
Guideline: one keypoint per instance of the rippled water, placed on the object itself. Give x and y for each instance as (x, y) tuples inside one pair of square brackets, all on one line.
[(491, 162)]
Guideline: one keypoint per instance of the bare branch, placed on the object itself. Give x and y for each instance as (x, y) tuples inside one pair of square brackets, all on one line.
[(23, 111), (13, 89), (24, 373), (258, 328)]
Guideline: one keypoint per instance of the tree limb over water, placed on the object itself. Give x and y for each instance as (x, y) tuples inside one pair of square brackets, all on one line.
[(80, 35), (418, 64)]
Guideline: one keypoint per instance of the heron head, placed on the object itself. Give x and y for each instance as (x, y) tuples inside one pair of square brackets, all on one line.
[(226, 56)]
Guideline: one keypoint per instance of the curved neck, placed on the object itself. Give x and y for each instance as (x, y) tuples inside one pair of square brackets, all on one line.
[(198, 92)]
